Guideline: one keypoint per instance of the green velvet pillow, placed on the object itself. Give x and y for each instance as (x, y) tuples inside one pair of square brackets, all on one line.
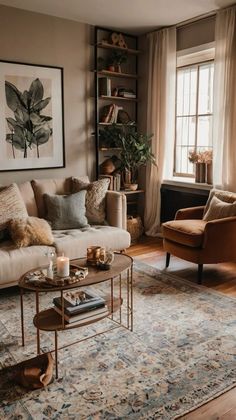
[(66, 211)]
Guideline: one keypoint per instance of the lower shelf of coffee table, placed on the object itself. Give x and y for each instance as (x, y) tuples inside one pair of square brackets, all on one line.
[(50, 320)]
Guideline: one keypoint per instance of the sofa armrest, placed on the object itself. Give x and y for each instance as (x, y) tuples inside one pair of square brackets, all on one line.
[(116, 209), (190, 213), (221, 233)]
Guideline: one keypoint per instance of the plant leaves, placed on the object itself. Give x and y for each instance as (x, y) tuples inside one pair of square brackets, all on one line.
[(22, 116), (41, 136), (11, 123), (13, 97), (17, 140), (40, 105), (36, 92)]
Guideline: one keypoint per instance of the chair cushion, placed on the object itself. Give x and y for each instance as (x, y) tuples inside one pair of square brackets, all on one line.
[(185, 232), (219, 209), (226, 196)]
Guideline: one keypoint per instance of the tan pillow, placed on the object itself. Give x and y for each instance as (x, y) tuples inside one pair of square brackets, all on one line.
[(95, 198), (11, 205), (219, 210), (30, 231)]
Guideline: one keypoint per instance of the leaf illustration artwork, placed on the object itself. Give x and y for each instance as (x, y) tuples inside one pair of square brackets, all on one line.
[(29, 129)]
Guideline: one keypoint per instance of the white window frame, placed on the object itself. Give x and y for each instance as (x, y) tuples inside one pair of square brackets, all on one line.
[(196, 56)]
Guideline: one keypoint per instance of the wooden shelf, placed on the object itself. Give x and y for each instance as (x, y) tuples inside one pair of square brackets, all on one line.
[(50, 320), (119, 124), (103, 149), (127, 192), (117, 98), (115, 47), (117, 74)]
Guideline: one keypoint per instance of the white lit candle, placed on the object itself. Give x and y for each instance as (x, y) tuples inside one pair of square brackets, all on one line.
[(63, 266)]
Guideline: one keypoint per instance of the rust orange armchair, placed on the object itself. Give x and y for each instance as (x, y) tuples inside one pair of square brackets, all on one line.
[(201, 241)]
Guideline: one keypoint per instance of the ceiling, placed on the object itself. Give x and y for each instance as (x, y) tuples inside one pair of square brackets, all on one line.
[(137, 16)]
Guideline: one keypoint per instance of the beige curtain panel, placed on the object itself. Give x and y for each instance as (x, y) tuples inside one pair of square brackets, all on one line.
[(160, 119), (224, 120)]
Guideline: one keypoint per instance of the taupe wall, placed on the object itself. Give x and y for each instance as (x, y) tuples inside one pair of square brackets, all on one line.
[(34, 38)]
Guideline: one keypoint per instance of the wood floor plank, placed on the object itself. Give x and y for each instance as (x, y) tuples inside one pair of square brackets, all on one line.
[(220, 277)]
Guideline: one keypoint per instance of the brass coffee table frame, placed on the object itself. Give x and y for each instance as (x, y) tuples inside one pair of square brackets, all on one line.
[(50, 320)]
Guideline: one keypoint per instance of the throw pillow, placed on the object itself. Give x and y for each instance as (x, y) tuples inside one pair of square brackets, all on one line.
[(219, 210), (95, 198), (30, 231), (11, 205), (66, 211)]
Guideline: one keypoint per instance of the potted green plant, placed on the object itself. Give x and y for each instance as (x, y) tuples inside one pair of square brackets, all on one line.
[(116, 59), (135, 152)]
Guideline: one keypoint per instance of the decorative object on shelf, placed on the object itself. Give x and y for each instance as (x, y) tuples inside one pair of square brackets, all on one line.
[(124, 118), (203, 165), (106, 261), (63, 266), (118, 39), (116, 59), (110, 165), (94, 254), (135, 152), (32, 109), (134, 227)]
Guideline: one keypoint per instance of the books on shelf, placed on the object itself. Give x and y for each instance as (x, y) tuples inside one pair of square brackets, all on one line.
[(115, 181), (110, 113), (104, 84), (85, 316), (73, 305)]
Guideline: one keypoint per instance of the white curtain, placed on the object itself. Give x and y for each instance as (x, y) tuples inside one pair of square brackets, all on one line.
[(224, 120), (160, 119)]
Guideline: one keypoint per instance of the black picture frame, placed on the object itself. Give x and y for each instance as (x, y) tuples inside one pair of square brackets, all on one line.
[(31, 117)]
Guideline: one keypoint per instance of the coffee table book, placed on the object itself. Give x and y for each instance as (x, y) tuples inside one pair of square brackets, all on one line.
[(72, 308), (85, 316)]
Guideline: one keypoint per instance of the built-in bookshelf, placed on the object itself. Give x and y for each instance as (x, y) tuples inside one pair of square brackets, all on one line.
[(116, 88)]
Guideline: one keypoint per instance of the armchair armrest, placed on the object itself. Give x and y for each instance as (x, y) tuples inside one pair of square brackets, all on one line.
[(221, 233), (116, 209), (190, 213)]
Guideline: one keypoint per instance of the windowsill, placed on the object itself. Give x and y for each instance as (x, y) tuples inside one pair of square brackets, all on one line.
[(187, 182)]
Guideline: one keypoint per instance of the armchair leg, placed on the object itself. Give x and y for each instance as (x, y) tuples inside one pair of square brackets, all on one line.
[(199, 274), (167, 259)]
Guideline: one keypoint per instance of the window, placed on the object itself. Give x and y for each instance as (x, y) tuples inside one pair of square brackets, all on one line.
[(194, 107)]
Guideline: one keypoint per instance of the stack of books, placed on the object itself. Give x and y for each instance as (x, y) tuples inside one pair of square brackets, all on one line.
[(115, 181), (126, 93), (80, 311), (110, 113), (104, 86)]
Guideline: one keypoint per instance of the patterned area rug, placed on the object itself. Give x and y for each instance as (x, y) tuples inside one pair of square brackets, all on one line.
[(181, 354)]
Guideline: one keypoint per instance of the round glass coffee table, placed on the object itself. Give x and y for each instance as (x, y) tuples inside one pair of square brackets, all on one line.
[(50, 320)]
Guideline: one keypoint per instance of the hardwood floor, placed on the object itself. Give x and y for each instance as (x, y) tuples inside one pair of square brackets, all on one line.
[(221, 277)]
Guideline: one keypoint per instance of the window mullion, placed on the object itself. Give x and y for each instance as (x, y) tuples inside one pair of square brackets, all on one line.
[(197, 100)]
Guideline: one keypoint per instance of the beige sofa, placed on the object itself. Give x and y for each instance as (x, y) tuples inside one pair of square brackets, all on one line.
[(73, 243)]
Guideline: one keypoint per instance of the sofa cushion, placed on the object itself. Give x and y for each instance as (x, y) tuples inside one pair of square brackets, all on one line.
[(27, 193), (95, 198), (74, 243), (185, 232), (30, 231), (66, 211), (219, 210), (16, 261), (49, 186), (11, 205)]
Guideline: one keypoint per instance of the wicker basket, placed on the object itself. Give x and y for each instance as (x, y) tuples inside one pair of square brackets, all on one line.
[(134, 227)]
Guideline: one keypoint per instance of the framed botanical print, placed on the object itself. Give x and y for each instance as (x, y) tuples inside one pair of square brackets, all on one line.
[(31, 117)]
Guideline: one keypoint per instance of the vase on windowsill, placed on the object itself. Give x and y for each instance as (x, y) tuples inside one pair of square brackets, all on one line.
[(209, 177), (200, 172)]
